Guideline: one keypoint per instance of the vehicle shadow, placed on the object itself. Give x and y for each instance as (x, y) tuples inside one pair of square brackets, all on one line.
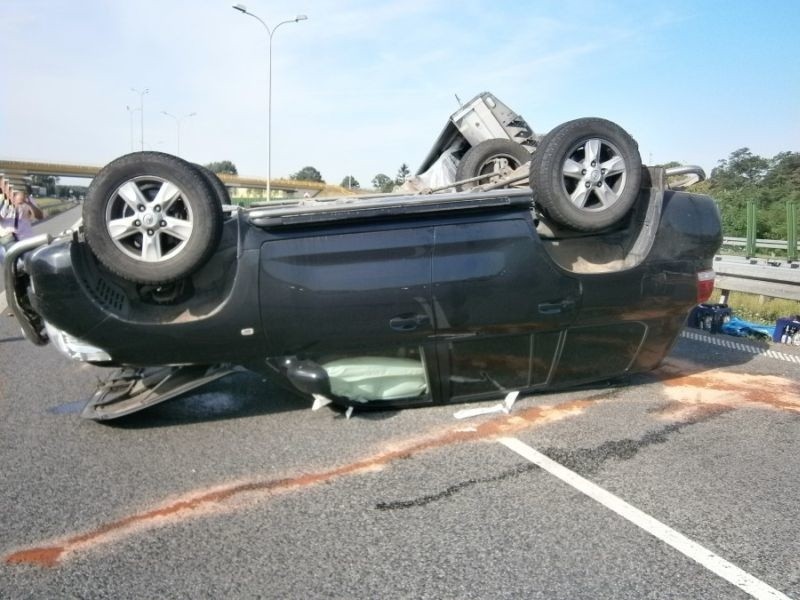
[(237, 396), (248, 394)]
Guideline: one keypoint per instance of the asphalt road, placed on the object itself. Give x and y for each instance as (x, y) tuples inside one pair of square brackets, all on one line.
[(240, 491)]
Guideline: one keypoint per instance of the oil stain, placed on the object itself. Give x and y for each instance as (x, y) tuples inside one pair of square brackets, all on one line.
[(584, 461), (234, 495), (454, 489), (588, 461)]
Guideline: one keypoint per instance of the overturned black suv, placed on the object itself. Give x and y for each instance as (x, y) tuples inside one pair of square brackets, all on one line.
[(585, 273)]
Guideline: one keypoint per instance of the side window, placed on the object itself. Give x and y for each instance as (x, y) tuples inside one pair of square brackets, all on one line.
[(597, 351), (486, 365)]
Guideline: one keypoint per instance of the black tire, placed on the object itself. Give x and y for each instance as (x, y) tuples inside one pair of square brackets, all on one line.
[(586, 174), (213, 180), (490, 156), (166, 219)]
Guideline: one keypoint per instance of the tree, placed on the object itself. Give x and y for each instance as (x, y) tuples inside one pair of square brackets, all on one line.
[(784, 171), (222, 166), (48, 182), (307, 174), (382, 183), (742, 167), (350, 182), (402, 174), (746, 177)]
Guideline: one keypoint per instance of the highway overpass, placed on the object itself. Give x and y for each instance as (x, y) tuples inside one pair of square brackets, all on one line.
[(18, 170)]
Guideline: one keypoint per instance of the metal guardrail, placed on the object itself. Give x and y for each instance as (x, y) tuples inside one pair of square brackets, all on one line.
[(761, 243), (773, 278), (750, 243)]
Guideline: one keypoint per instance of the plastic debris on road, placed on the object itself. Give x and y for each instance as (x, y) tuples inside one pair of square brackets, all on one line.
[(741, 328), (503, 407)]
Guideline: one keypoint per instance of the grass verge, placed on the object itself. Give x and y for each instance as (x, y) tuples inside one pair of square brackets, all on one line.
[(759, 309)]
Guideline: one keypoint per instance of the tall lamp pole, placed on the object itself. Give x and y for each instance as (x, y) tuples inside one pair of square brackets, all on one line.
[(141, 109), (178, 123), (130, 114), (243, 9)]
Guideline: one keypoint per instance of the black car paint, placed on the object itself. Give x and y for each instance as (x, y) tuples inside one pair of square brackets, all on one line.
[(474, 292)]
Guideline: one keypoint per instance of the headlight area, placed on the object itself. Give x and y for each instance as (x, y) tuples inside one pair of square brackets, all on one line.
[(74, 348)]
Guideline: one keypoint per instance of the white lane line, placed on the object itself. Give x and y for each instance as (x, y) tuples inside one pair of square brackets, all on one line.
[(716, 564), (749, 348), (3, 303)]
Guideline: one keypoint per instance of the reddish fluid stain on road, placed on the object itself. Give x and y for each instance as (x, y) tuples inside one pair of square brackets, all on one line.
[(693, 392), (224, 498), (685, 384)]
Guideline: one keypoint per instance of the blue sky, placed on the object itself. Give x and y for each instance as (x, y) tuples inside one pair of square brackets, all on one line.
[(365, 85)]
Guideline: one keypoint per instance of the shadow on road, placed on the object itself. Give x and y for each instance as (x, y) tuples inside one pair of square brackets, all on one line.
[(248, 394), (236, 396), (18, 338)]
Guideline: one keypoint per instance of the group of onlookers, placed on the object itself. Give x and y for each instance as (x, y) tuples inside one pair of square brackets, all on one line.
[(18, 210)]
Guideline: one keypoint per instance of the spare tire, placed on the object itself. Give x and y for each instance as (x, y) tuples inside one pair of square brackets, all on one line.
[(586, 174), (151, 217), (495, 156)]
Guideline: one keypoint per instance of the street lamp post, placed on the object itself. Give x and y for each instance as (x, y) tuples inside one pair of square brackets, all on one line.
[(130, 113), (141, 109), (178, 123), (243, 9)]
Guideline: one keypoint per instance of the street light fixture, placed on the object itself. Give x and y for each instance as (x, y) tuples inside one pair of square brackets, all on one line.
[(178, 123), (243, 9), (130, 114), (141, 109)]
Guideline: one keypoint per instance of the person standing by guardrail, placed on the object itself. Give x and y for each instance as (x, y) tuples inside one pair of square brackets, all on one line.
[(16, 217)]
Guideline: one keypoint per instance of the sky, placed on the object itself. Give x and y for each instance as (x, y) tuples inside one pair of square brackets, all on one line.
[(362, 86)]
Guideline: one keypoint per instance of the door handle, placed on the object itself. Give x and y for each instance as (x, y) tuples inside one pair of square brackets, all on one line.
[(554, 308), (408, 321)]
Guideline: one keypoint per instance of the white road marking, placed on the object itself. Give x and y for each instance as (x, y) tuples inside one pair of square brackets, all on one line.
[(750, 348), (714, 563), (3, 303)]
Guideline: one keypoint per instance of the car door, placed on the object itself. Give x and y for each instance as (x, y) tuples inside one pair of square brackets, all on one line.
[(500, 306), (356, 303)]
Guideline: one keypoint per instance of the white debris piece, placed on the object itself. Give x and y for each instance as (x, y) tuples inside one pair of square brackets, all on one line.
[(320, 401), (509, 400), (504, 407)]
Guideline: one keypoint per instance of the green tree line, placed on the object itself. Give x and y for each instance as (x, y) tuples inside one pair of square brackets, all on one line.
[(770, 182)]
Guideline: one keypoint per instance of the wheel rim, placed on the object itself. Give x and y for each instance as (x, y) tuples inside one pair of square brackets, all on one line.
[(497, 166), (149, 219), (594, 175)]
